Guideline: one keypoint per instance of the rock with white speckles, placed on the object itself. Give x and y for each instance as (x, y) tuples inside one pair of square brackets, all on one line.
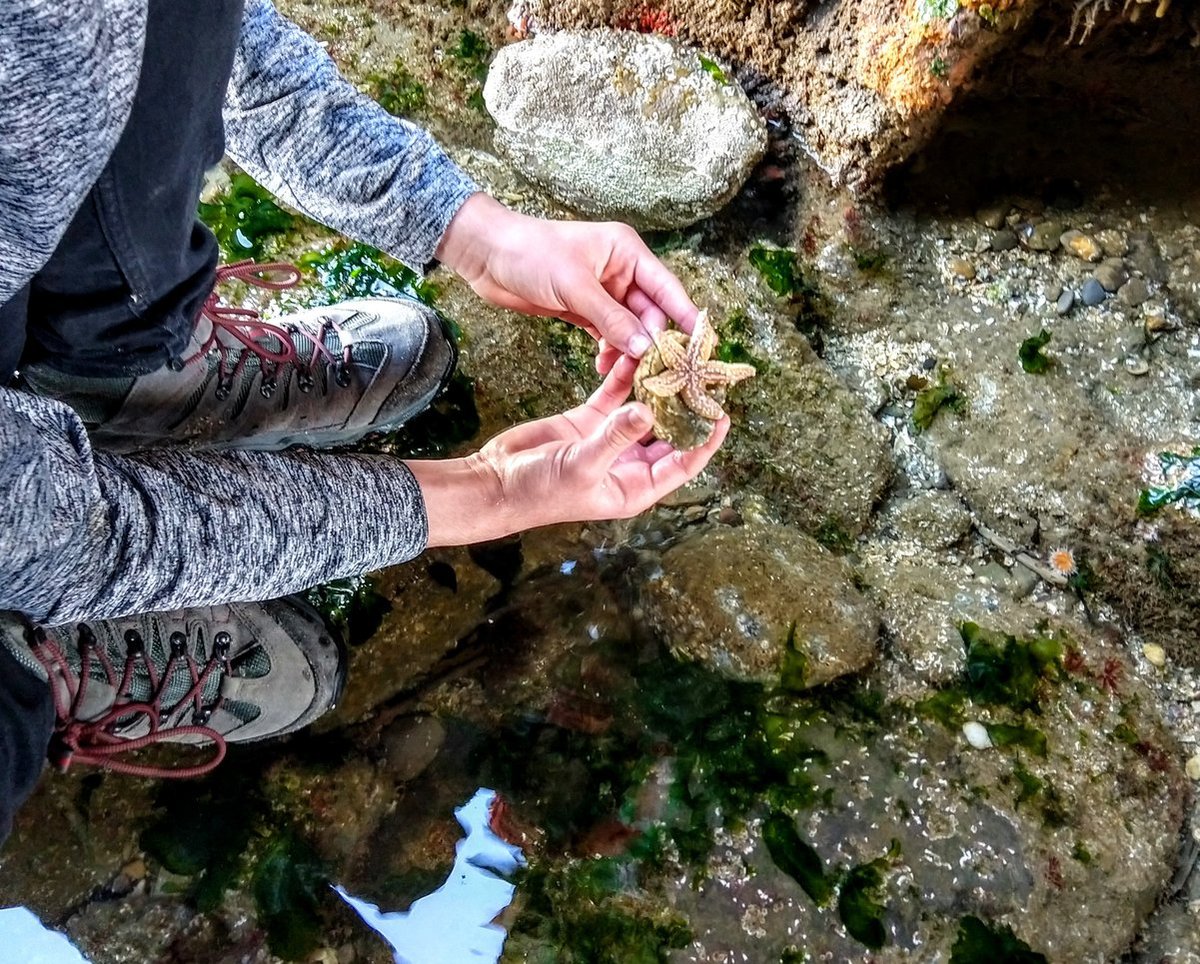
[(760, 602), (623, 125)]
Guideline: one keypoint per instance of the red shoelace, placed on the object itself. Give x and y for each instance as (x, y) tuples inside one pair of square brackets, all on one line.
[(248, 333), (96, 742)]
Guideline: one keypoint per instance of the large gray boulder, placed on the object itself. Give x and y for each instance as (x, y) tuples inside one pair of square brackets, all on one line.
[(623, 125)]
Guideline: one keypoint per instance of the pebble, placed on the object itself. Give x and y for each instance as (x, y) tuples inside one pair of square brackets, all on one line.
[(1066, 301), (729, 516), (993, 215), (962, 268), (1155, 655), (1113, 243), (1092, 293), (1137, 365), (1156, 324), (693, 514), (1042, 237), (1004, 240), (1136, 292), (1083, 246), (1192, 767), (411, 744), (1112, 274), (977, 735)]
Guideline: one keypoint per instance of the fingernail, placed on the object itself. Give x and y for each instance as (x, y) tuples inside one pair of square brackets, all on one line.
[(639, 345)]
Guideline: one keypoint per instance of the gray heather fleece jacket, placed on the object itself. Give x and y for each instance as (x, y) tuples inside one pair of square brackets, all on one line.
[(89, 535)]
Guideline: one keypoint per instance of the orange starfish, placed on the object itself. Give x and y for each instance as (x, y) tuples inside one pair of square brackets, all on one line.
[(691, 369)]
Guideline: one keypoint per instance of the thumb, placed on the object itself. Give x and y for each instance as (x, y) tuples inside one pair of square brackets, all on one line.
[(617, 324), (621, 429)]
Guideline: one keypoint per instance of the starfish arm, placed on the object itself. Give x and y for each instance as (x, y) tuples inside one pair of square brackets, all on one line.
[(700, 345), (701, 403), (665, 384), (672, 347), (726, 373)]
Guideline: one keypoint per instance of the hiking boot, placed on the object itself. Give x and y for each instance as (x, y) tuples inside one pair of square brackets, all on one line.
[(225, 674), (320, 377)]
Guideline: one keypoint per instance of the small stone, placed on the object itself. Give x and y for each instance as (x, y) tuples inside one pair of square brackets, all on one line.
[(1083, 246), (411, 744), (1112, 274), (1042, 237), (1092, 293), (1066, 301), (993, 215), (1136, 292), (1113, 243), (1192, 767), (693, 514), (977, 735), (1004, 240), (1155, 655), (1137, 365), (1157, 324), (962, 268), (729, 516)]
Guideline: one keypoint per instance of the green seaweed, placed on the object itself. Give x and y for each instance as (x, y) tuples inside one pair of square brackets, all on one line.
[(573, 347), (1033, 359), (929, 10), (982, 943), (1186, 489), (1015, 734), (244, 218), (794, 669), (473, 51), (398, 92), (939, 68), (713, 69), (779, 270), (859, 905), (582, 912), (353, 606), (1002, 669), (1161, 567), (289, 882), (869, 260), (932, 400), (1029, 786), (796, 858), (833, 535), (354, 270), (1082, 854), (945, 706)]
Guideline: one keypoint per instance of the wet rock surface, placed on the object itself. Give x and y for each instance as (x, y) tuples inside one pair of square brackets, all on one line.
[(752, 602), (741, 798), (624, 126)]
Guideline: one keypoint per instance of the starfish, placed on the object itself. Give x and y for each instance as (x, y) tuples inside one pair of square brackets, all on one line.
[(691, 370)]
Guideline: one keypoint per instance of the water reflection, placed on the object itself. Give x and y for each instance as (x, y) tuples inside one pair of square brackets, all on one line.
[(454, 923)]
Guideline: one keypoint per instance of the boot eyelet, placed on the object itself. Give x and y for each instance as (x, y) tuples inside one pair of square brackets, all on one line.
[(221, 643), (178, 644), (268, 388), (341, 375), (133, 642)]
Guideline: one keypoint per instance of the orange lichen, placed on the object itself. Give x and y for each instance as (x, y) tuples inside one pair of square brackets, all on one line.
[(646, 19)]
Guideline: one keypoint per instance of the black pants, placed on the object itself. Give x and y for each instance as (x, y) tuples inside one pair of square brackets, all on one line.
[(120, 294)]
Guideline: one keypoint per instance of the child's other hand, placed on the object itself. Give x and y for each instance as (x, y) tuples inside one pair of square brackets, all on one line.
[(599, 276), (589, 463)]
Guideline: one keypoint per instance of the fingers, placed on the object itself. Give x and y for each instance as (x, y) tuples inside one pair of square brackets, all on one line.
[(657, 282), (677, 468), (621, 327), (622, 429), (652, 317), (606, 356), (616, 386)]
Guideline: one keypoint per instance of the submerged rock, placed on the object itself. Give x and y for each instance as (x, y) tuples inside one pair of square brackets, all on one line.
[(623, 125), (753, 603)]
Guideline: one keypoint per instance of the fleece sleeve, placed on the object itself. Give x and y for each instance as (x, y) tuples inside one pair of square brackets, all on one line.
[(85, 534), (328, 150)]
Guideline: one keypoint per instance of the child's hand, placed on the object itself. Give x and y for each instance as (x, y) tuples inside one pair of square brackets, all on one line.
[(586, 464), (601, 277)]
